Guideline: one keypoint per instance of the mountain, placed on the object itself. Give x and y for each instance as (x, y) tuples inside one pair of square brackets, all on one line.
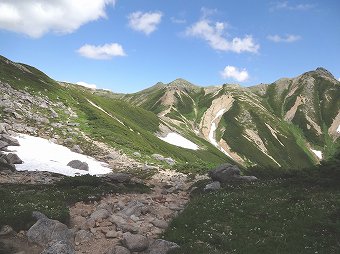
[(293, 122)]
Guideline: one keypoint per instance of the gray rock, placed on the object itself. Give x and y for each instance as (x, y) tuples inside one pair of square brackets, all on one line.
[(118, 177), (112, 156), (59, 247), (100, 214), (160, 223), (111, 234), (4, 165), (76, 149), (121, 250), (3, 144), (38, 215), (170, 161), (77, 164), (160, 246), (134, 207), (122, 225), (158, 157), (135, 243), (214, 186), (4, 127), (53, 114), (12, 158), (45, 231), (83, 236), (229, 173), (9, 140)]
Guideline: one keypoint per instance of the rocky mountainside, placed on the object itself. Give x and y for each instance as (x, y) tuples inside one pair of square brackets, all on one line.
[(293, 122)]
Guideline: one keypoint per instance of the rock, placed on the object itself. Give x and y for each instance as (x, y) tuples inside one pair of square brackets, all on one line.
[(77, 164), (158, 157), (121, 250), (100, 214), (134, 207), (4, 127), (53, 114), (83, 236), (38, 215), (3, 144), (111, 234), (137, 154), (7, 230), (118, 177), (135, 243), (112, 156), (45, 231), (229, 173), (9, 140), (122, 225), (59, 247), (214, 186), (4, 165), (76, 149), (78, 221), (160, 223), (12, 158), (170, 161), (160, 246)]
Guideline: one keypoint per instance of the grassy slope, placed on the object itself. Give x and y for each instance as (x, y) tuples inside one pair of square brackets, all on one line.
[(137, 133), (299, 212)]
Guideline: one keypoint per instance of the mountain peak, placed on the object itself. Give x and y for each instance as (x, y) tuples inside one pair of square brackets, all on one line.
[(323, 72), (181, 84)]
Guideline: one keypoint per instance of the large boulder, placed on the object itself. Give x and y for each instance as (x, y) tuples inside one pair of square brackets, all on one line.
[(3, 144), (12, 158), (9, 140), (160, 246), (4, 165), (118, 177), (229, 173), (135, 243), (214, 186), (50, 233), (59, 247), (77, 164)]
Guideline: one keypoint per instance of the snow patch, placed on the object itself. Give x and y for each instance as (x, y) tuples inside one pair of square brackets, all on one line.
[(178, 140), (317, 153), (338, 129), (40, 154), (212, 139)]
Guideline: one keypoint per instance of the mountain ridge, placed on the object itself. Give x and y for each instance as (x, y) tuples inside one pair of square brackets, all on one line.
[(276, 125)]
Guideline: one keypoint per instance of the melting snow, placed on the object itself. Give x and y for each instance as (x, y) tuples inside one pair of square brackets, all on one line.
[(317, 153), (212, 133), (40, 154), (178, 140), (338, 129)]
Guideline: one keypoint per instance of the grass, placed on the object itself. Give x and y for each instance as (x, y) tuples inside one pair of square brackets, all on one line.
[(285, 215), (18, 201)]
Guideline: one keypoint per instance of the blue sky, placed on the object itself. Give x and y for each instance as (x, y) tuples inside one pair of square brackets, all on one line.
[(129, 45)]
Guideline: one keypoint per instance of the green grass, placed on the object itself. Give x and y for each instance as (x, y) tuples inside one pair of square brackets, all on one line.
[(276, 216), (18, 201)]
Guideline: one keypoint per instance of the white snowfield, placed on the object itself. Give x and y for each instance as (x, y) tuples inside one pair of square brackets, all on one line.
[(178, 140), (317, 153), (338, 129), (40, 154)]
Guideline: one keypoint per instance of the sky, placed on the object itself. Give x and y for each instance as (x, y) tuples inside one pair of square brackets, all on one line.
[(127, 45)]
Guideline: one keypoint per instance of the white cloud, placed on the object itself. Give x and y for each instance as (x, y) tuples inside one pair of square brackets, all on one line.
[(285, 5), (232, 72), (38, 17), (214, 35), (286, 38), (82, 83), (146, 22), (101, 52)]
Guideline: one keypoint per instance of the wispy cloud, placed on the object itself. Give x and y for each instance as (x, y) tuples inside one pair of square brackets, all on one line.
[(145, 22), (286, 38), (214, 34), (232, 72), (38, 17), (101, 52), (285, 5)]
